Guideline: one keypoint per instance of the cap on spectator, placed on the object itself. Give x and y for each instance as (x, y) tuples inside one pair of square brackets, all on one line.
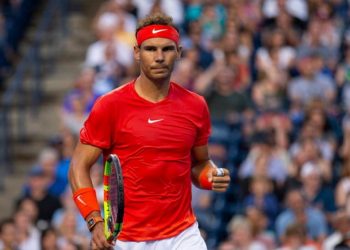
[(309, 168)]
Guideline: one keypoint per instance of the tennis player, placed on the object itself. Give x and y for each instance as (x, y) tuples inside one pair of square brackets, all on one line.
[(160, 132)]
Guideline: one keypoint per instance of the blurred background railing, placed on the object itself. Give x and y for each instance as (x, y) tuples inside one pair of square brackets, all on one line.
[(23, 93)]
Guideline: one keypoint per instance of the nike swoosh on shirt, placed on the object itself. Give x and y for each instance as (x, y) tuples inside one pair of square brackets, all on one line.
[(154, 121), (154, 31)]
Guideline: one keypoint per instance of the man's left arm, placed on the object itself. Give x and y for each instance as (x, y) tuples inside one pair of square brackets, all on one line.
[(205, 174)]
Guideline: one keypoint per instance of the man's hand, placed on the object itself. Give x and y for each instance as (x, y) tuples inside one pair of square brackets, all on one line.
[(98, 241), (220, 178)]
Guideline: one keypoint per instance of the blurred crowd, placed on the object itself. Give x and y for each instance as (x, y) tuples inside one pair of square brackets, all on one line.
[(15, 16), (276, 77)]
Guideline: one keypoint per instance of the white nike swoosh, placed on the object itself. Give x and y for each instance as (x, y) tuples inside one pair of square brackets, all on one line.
[(154, 121), (154, 31), (81, 200)]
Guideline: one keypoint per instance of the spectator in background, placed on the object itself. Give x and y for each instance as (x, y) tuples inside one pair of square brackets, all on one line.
[(275, 58), (262, 197), (298, 211), (64, 143), (241, 236), (260, 225), (126, 22), (185, 72), (225, 103), (48, 239), (297, 9), (8, 234), (106, 28), (82, 86), (30, 209), (315, 193), (261, 160), (307, 150), (195, 44), (68, 234), (174, 8), (38, 183), (310, 85), (212, 20), (75, 118), (68, 205), (296, 237), (27, 235), (342, 78)]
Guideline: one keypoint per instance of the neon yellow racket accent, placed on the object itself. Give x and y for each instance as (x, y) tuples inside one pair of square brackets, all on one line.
[(113, 195)]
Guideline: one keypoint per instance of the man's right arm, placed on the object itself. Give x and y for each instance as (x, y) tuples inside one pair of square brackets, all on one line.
[(83, 159), (79, 172)]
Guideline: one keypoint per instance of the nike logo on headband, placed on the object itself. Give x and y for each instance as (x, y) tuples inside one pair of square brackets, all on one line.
[(154, 31)]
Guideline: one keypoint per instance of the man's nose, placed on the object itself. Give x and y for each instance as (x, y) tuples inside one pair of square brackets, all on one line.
[(159, 56)]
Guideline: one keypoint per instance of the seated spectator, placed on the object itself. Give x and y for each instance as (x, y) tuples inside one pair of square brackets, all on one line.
[(27, 235), (262, 198), (28, 207), (308, 150), (83, 87), (48, 239), (64, 144), (8, 234), (185, 72), (317, 195), (69, 205), (75, 118), (216, 84), (268, 95), (309, 85), (241, 235), (261, 160), (110, 73), (295, 237), (259, 222), (38, 183), (298, 211), (68, 234), (342, 79)]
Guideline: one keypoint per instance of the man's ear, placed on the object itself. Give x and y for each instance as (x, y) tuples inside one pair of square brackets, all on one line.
[(179, 52), (137, 53)]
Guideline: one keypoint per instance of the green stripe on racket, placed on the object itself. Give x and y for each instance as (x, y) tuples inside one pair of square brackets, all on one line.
[(113, 197)]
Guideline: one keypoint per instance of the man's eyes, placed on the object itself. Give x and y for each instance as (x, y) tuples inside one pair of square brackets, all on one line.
[(165, 49)]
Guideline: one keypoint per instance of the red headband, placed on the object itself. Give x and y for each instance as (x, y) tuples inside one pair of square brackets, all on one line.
[(155, 30)]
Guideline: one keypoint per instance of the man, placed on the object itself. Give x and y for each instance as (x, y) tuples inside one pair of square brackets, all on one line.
[(298, 211), (160, 132)]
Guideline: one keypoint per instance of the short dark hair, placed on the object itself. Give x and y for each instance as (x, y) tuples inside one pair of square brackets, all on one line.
[(155, 18)]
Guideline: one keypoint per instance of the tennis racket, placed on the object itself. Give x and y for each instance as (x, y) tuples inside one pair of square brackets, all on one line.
[(113, 194)]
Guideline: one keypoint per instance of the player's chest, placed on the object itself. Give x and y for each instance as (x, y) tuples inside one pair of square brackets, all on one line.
[(158, 125)]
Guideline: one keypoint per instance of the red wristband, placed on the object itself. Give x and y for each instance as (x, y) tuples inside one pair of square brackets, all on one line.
[(86, 201), (203, 179)]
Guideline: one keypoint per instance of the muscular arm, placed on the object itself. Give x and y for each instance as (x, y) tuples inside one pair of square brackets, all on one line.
[(79, 172), (202, 163), (83, 159)]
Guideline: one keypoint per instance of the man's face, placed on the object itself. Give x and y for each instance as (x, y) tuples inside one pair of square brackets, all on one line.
[(157, 57)]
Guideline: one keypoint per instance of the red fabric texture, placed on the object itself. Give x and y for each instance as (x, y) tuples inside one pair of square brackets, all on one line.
[(154, 142)]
